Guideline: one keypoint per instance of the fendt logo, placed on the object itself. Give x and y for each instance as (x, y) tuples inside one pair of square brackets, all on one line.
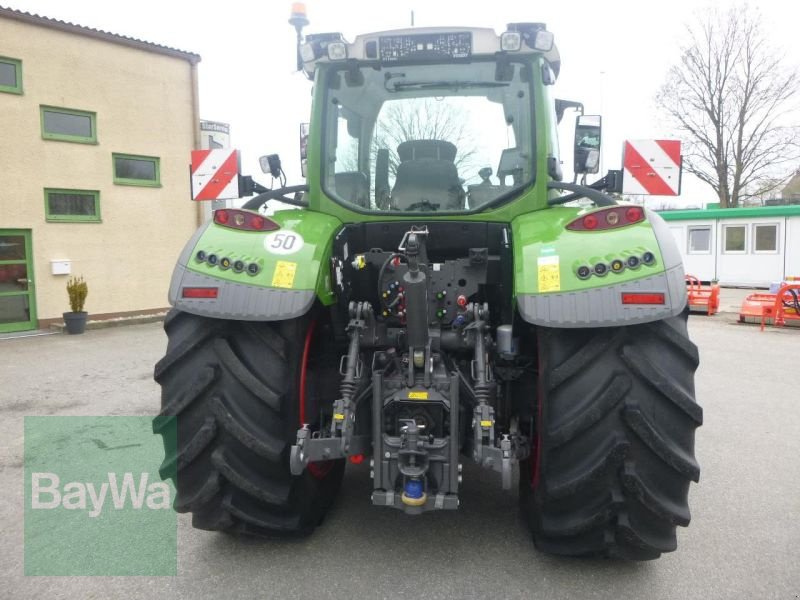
[(47, 494)]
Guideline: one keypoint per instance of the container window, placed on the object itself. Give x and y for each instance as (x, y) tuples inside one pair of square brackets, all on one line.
[(699, 240), (735, 238), (766, 238)]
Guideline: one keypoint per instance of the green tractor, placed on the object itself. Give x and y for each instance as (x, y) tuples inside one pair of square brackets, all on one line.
[(417, 309)]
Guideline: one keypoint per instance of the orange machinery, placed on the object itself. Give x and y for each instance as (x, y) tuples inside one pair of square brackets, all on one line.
[(702, 298), (779, 309)]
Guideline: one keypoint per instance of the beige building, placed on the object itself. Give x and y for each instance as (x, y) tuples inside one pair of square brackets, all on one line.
[(97, 133), (791, 192)]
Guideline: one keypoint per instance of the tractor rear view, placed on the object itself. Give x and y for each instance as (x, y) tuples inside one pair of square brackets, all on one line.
[(436, 295)]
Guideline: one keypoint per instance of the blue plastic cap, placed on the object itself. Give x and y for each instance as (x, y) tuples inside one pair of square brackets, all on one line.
[(414, 488)]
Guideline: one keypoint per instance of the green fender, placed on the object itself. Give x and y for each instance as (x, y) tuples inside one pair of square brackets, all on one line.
[(283, 272), (547, 257)]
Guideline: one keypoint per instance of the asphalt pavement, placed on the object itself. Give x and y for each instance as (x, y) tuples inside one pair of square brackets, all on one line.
[(743, 541)]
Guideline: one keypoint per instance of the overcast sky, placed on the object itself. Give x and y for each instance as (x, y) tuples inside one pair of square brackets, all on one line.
[(615, 55)]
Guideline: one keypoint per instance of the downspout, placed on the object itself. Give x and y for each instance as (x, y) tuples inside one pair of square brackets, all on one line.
[(196, 129)]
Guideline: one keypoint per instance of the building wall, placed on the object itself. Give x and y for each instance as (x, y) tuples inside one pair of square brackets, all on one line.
[(702, 265), (751, 267), (793, 247), (746, 268), (144, 105)]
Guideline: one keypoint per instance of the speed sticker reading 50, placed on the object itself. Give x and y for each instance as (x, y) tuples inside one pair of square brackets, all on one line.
[(283, 242)]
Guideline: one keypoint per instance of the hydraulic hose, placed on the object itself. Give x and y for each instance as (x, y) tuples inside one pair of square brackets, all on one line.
[(794, 302)]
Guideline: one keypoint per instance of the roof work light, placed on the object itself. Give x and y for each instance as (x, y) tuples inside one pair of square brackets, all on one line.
[(337, 50), (535, 35), (510, 41)]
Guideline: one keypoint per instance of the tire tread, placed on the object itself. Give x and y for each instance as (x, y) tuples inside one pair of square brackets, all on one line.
[(616, 459)]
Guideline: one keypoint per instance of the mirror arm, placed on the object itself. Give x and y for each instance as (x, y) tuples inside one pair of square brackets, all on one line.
[(259, 189), (598, 197), (248, 187), (563, 105)]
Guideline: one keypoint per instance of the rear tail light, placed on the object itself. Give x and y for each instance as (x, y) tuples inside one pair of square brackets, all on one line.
[(634, 214), (200, 292), (244, 220), (608, 218), (589, 222), (643, 298)]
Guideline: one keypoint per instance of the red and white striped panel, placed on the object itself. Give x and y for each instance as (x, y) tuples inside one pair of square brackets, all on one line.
[(215, 174), (652, 167)]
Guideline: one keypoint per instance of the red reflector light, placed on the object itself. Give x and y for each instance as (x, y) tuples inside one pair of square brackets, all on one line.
[(200, 292), (357, 459), (643, 298), (244, 219)]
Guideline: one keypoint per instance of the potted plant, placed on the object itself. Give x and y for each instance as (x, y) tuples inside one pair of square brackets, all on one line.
[(75, 320)]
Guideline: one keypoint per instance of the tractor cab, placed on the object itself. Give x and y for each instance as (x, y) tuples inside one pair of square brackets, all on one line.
[(427, 121)]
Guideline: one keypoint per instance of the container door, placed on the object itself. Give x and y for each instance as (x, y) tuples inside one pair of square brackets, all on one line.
[(17, 300)]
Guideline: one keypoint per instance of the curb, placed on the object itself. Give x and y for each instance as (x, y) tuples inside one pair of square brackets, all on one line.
[(120, 322)]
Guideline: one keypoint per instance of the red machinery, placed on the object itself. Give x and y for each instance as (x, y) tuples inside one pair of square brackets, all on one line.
[(702, 298), (779, 309)]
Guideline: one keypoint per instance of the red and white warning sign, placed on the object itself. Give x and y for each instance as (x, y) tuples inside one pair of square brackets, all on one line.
[(215, 174), (652, 167)]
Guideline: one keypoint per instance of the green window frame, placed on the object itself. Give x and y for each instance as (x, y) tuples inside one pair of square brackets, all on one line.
[(17, 64), (127, 180), (67, 137), (55, 217)]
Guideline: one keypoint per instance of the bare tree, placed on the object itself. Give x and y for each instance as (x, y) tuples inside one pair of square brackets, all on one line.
[(731, 95), (424, 119)]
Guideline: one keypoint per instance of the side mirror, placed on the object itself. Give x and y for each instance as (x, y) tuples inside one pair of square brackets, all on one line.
[(271, 164), (304, 149), (588, 135)]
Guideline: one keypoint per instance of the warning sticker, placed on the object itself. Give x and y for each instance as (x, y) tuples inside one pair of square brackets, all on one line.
[(417, 395), (284, 274), (549, 274)]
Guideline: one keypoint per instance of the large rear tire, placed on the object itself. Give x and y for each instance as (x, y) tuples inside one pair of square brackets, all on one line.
[(233, 387), (614, 440)]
